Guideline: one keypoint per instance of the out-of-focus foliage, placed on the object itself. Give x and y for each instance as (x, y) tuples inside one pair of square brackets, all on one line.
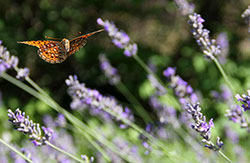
[(163, 37)]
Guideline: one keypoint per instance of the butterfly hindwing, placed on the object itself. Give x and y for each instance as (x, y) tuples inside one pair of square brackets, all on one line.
[(50, 51), (57, 52)]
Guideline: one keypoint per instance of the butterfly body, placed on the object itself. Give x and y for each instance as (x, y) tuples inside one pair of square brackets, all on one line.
[(58, 51)]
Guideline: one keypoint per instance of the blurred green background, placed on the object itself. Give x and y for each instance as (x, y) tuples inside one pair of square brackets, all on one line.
[(163, 37), (161, 32)]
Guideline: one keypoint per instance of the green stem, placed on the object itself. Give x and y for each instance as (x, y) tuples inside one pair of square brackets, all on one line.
[(154, 141), (146, 68), (16, 151), (90, 139), (224, 74), (75, 121), (136, 104), (143, 65), (27, 78), (82, 127), (149, 71), (64, 152), (126, 122), (225, 157), (21, 85)]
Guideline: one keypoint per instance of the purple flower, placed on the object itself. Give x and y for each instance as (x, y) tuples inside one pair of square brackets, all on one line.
[(184, 7), (22, 73), (109, 71), (201, 126), (26, 126), (245, 99), (6, 61), (130, 50), (119, 38), (209, 47), (235, 114), (193, 97), (181, 82), (181, 88), (170, 71), (94, 100)]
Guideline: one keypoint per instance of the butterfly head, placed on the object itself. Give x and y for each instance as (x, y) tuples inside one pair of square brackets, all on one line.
[(66, 43)]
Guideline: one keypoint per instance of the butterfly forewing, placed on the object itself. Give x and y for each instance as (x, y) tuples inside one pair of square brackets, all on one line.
[(57, 52), (77, 43)]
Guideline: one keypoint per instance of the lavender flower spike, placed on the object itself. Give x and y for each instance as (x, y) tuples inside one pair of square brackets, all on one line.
[(245, 99), (119, 38), (184, 7), (6, 61), (181, 88), (94, 100), (201, 126), (110, 72), (208, 46), (235, 114), (26, 126)]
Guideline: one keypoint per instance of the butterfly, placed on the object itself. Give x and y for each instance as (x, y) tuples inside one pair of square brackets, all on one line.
[(58, 51)]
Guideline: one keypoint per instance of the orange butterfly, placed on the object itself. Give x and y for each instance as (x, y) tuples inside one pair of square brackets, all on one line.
[(57, 52)]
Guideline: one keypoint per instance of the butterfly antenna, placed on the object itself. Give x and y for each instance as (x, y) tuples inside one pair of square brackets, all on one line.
[(97, 31), (92, 33), (52, 38)]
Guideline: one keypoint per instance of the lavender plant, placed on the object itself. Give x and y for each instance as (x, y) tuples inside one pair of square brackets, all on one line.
[(93, 99), (181, 88), (26, 126), (23, 124), (202, 127), (156, 138), (119, 38), (109, 71), (208, 46), (236, 113)]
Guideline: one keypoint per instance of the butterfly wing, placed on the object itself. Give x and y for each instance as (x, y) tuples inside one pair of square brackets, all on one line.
[(76, 44), (79, 42), (50, 51)]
